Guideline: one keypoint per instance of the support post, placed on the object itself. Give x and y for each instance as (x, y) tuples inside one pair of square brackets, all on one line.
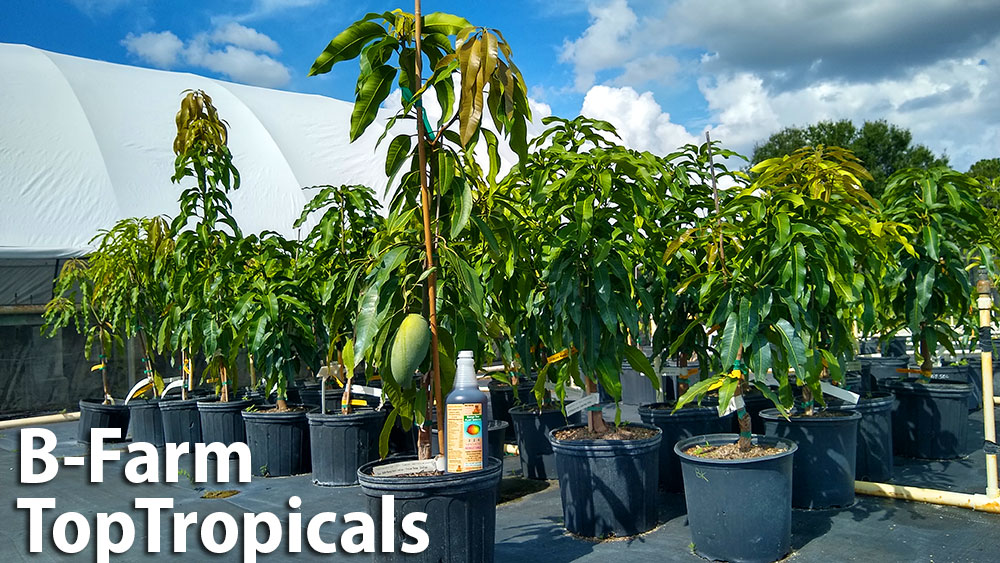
[(985, 303)]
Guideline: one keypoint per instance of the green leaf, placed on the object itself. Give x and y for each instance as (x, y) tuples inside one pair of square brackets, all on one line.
[(462, 208), (372, 93), (399, 148), (348, 355), (726, 393), (383, 437), (366, 325), (640, 363), (729, 344), (930, 242), (346, 45), (795, 349), (445, 24)]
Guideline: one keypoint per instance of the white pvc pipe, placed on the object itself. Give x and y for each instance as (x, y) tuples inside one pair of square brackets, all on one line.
[(34, 420), (978, 502)]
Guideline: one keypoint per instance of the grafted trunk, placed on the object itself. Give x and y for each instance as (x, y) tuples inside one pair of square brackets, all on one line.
[(595, 419)]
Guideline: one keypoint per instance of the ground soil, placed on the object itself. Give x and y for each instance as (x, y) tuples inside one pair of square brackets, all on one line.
[(276, 409), (613, 433), (512, 488), (822, 414), (731, 451)]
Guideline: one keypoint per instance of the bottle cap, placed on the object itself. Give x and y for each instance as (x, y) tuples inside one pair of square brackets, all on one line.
[(465, 354)]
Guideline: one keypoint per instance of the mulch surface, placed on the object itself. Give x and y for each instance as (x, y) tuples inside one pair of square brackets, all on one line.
[(613, 433), (731, 451)]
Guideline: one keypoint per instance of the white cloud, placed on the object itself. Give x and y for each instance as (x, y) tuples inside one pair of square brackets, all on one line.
[(95, 8), (262, 8), (159, 49), (641, 122), (605, 44), (237, 52), (242, 65), (233, 33)]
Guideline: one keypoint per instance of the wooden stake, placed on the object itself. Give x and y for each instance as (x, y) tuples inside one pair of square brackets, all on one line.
[(423, 440)]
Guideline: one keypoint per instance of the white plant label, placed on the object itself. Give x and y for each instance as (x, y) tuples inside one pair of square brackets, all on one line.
[(840, 393), (365, 390), (853, 365), (572, 393), (407, 467), (735, 404), (580, 404)]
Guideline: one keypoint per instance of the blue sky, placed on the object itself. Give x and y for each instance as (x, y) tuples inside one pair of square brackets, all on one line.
[(663, 72)]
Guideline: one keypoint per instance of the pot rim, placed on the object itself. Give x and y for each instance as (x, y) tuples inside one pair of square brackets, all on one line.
[(728, 438), (606, 445)]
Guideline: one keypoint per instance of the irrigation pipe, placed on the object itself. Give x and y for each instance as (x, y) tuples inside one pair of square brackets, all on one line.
[(989, 502), (32, 421)]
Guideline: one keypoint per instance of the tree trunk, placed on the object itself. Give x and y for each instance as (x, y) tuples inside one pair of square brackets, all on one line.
[(807, 400), (224, 379), (595, 418), (925, 366), (682, 377), (345, 402)]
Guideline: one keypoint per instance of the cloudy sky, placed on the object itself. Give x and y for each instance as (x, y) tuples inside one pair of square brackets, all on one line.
[(663, 72)]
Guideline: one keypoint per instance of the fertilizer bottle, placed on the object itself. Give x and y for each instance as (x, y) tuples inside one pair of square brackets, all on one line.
[(466, 423)]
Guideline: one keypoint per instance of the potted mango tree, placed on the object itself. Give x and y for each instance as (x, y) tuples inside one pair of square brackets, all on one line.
[(132, 269), (929, 290), (419, 287), (588, 197), (342, 437), (274, 323), (75, 304), (679, 333), (209, 264)]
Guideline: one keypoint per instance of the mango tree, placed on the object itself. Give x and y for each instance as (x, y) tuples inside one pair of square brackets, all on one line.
[(589, 197), (791, 276), (328, 264), (932, 286), (402, 278), (209, 264)]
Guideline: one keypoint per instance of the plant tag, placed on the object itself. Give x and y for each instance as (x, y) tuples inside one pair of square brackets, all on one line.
[(839, 393), (853, 365), (364, 390), (406, 467), (672, 372), (572, 393), (582, 403), (734, 405)]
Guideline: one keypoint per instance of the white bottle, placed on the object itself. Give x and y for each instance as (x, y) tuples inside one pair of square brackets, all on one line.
[(465, 419)]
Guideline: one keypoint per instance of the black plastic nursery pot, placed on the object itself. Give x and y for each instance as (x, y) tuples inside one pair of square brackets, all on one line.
[(341, 443), (608, 487), (691, 420), (502, 399), (145, 421), (279, 442), (964, 373), (930, 420), (181, 421), (739, 509), (95, 414), (823, 468), (883, 369), (223, 422), (873, 458), (460, 508), (532, 427)]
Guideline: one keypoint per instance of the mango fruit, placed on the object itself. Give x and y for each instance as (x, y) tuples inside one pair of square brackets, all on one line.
[(409, 349)]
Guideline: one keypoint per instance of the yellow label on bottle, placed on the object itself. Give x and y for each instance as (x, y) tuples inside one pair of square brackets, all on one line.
[(465, 437)]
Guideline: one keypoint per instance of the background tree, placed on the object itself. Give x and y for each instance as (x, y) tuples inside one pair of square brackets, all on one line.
[(882, 147)]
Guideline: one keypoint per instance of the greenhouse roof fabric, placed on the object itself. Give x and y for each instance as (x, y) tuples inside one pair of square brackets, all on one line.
[(85, 143)]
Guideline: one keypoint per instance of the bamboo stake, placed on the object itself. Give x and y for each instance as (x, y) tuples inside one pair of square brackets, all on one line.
[(423, 441)]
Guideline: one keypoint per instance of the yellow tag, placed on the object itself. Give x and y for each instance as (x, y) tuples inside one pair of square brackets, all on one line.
[(187, 366), (692, 372), (906, 370), (358, 403), (716, 385), (97, 367), (735, 374), (557, 356)]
